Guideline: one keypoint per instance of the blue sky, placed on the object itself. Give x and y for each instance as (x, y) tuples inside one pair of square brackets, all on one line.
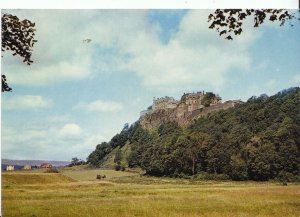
[(77, 95)]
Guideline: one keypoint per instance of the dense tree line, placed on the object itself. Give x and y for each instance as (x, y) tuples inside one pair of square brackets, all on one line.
[(76, 162), (257, 140), (96, 158)]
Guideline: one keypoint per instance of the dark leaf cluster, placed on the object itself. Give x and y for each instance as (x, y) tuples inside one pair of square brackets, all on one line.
[(229, 22), (5, 87), (17, 36)]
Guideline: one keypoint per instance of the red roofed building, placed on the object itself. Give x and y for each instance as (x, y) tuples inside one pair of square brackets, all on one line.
[(46, 165)]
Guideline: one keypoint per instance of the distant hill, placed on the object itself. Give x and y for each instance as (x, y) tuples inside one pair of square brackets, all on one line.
[(33, 162), (255, 140)]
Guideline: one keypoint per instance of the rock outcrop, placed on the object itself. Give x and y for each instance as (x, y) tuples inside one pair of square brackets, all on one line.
[(191, 107)]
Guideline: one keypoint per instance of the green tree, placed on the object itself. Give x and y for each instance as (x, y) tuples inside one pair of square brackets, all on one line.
[(76, 161), (288, 150), (118, 157), (207, 99), (97, 156), (257, 140), (262, 160), (238, 168)]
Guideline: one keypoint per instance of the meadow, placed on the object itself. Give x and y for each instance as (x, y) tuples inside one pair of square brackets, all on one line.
[(125, 194)]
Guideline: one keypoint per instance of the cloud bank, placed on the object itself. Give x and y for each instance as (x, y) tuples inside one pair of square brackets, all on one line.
[(25, 102), (100, 106), (126, 41)]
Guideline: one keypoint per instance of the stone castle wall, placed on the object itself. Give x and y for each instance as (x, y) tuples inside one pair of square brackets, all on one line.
[(189, 108)]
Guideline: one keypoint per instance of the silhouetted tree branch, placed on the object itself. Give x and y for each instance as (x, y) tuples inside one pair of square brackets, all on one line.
[(18, 36), (229, 22)]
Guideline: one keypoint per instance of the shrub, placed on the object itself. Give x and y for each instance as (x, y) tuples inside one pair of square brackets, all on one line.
[(286, 177), (118, 167), (181, 176), (211, 176), (100, 177), (52, 170)]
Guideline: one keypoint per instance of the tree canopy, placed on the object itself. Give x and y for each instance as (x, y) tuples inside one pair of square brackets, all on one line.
[(17, 36), (229, 22), (257, 140)]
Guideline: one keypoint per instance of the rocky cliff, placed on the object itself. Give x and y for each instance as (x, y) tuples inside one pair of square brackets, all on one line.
[(181, 115)]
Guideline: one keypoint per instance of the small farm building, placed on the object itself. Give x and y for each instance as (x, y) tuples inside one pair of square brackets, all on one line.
[(46, 165), (27, 167), (10, 167)]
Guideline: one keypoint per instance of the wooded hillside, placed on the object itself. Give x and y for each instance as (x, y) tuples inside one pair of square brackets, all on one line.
[(257, 140)]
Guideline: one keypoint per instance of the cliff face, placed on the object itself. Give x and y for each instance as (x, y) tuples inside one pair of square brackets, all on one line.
[(180, 114)]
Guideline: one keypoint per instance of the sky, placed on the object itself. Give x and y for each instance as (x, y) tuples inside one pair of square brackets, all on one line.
[(76, 94)]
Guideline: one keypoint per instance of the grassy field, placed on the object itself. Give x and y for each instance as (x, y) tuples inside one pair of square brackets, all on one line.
[(19, 179), (122, 194), (90, 174)]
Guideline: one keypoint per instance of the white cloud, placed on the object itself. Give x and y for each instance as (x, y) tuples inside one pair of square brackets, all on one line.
[(25, 102), (271, 83), (59, 54), (100, 106), (296, 79), (53, 72), (70, 130), (48, 142), (195, 55), (57, 119), (27, 134)]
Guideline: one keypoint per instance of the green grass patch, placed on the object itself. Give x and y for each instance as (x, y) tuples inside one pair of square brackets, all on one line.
[(109, 159)]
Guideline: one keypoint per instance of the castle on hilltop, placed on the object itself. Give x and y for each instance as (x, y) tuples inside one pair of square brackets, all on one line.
[(189, 102), (190, 106)]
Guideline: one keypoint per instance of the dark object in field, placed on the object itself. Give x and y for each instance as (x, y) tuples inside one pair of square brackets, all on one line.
[(46, 165), (100, 177), (52, 170), (284, 183), (118, 167)]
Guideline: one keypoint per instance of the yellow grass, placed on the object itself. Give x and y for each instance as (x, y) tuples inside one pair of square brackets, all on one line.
[(170, 198), (90, 174), (34, 178)]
